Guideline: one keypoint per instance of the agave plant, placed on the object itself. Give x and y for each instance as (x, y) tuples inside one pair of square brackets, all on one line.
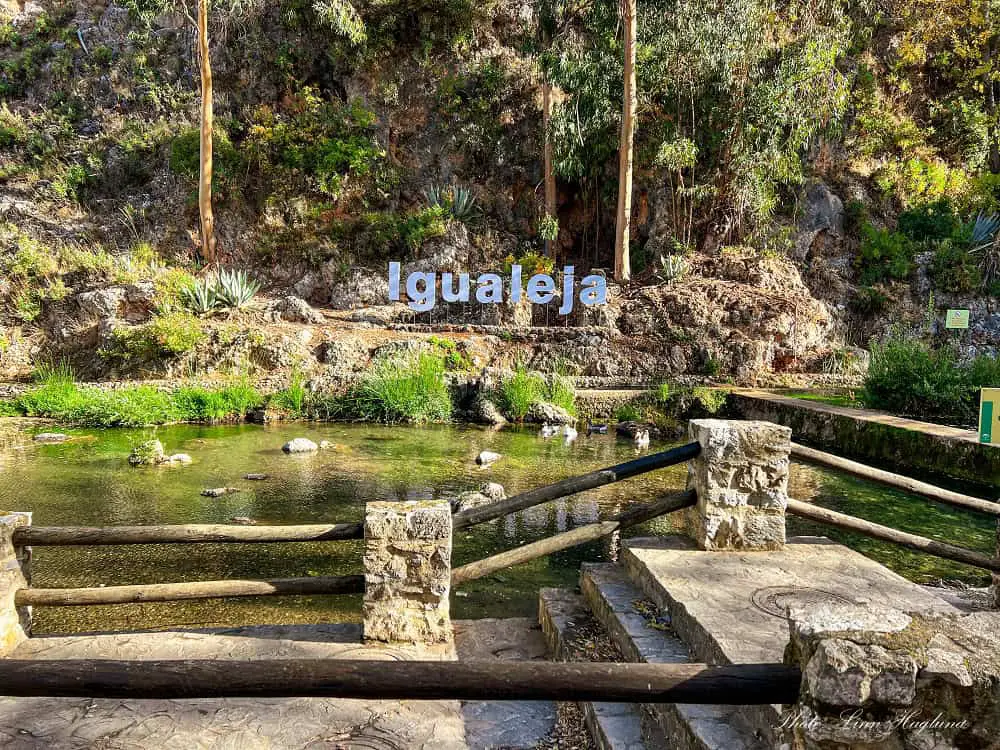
[(457, 201), (984, 243), (235, 289), (672, 267), (984, 229), (201, 297)]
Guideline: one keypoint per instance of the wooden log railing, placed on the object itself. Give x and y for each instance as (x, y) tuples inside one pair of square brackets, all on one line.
[(736, 684), (896, 480), (169, 592), (184, 534), (567, 539), (888, 534)]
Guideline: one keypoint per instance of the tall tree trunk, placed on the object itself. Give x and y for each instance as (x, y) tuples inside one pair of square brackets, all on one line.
[(623, 270), (205, 176), (550, 177), (990, 91)]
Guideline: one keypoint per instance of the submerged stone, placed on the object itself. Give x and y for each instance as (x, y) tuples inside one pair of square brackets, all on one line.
[(300, 445), (219, 491), (51, 437)]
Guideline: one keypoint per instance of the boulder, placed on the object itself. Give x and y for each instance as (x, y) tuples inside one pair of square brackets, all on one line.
[(326, 445), (484, 411), (102, 304), (493, 490), (148, 453), (257, 477), (178, 458), (300, 445), (363, 287), (488, 493), (294, 310), (544, 412), (51, 437)]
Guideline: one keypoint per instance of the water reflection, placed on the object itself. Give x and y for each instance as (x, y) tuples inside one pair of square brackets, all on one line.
[(88, 482)]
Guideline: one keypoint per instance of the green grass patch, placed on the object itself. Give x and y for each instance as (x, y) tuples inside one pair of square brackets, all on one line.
[(522, 388), (406, 389)]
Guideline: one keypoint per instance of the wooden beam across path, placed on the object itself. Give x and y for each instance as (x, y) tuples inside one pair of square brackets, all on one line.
[(885, 533), (567, 539), (573, 485), (736, 684), (896, 480), (168, 592), (193, 533)]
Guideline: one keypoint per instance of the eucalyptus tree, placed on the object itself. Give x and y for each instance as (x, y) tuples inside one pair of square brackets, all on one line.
[(626, 146)]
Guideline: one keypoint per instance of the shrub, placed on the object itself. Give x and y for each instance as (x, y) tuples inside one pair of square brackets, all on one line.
[(954, 268), (166, 335), (883, 255), (908, 377), (195, 404), (869, 300), (409, 389), (628, 413), (291, 398), (930, 221)]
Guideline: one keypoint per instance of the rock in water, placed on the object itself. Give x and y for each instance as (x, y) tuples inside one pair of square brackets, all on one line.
[(546, 413), (300, 445), (243, 521), (257, 477), (219, 491), (51, 437), (326, 445), (148, 453), (485, 411), (493, 490), (485, 458), (178, 458)]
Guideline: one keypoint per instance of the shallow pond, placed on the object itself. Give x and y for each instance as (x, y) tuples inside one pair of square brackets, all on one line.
[(88, 482)]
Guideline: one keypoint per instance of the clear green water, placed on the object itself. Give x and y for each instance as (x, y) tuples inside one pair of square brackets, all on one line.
[(89, 482)]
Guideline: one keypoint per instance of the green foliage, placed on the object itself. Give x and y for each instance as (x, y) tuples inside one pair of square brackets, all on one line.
[(409, 389), (628, 413), (954, 268), (403, 232), (227, 404), (907, 377), (522, 388), (235, 289), (185, 157), (548, 228), (929, 221), (458, 202), (200, 297), (166, 335), (456, 358), (884, 255), (293, 397), (671, 267)]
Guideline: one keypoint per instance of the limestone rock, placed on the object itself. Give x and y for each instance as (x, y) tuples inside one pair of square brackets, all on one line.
[(219, 491), (294, 310), (148, 453), (257, 477), (488, 493), (485, 458), (179, 458), (543, 412), (493, 490), (326, 445), (300, 445), (484, 411), (51, 437), (363, 287), (102, 304)]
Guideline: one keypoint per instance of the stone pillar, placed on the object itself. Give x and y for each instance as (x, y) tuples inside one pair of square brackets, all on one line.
[(875, 677), (741, 477), (407, 571), (15, 573)]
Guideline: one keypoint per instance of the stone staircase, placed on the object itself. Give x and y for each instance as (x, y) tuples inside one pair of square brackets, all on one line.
[(666, 602)]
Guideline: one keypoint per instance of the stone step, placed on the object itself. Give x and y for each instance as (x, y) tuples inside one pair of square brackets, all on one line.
[(613, 726), (731, 607), (643, 634)]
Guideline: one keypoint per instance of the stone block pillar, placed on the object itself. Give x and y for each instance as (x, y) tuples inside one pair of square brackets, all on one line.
[(15, 573), (875, 677), (741, 477), (407, 571)]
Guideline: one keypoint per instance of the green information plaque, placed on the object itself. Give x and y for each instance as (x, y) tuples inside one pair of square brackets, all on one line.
[(956, 319), (989, 415)]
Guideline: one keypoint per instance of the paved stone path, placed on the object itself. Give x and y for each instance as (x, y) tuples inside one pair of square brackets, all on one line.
[(273, 724)]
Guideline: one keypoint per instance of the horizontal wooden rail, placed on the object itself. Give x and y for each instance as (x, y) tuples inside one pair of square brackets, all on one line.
[(168, 592), (184, 534), (567, 539), (896, 480), (885, 533), (572, 485), (736, 684)]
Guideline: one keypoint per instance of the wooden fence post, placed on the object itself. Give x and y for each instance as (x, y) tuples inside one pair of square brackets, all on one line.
[(15, 573), (741, 479), (407, 571)]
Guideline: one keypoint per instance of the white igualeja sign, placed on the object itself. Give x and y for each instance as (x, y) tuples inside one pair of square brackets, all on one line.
[(421, 288)]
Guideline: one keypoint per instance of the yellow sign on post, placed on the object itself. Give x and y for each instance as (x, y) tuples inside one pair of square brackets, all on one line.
[(989, 415)]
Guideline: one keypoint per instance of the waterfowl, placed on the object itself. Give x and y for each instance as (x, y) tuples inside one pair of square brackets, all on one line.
[(641, 439), (549, 430), (569, 433), (596, 429)]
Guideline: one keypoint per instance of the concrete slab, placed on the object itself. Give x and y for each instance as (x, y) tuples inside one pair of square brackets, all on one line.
[(243, 724), (728, 607), (507, 724)]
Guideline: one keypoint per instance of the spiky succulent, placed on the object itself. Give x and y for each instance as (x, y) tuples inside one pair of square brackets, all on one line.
[(201, 297), (235, 289), (672, 267)]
